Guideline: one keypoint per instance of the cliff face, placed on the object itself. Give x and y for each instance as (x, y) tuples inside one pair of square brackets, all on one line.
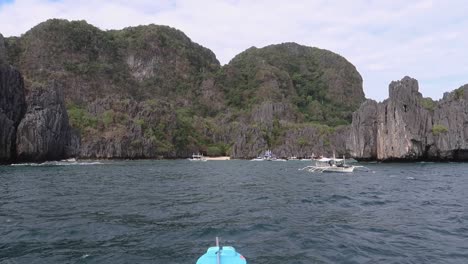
[(44, 132), (32, 128), (149, 91), (402, 122), (450, 118), (3, 58), (409, 127), (291, 99), (12, 108), (362, 141), (12, 105)]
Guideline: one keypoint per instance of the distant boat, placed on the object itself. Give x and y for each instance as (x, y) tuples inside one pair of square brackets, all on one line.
[(257, 159), (197, 157), (266, 156), (221, 255), (278, 159), (218, 158)]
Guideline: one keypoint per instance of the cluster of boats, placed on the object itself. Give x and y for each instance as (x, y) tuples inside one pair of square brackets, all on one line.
[(319, 164)]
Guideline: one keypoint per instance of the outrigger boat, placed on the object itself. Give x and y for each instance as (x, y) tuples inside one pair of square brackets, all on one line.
[(221, 255), (330, 165)]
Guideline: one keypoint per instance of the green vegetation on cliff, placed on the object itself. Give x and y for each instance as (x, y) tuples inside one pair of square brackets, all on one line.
[(439, 129), (428, 103), (459, 93), (150, 91), (296, 74)]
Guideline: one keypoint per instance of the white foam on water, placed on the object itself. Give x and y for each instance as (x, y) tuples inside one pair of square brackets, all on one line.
[(70, 162)]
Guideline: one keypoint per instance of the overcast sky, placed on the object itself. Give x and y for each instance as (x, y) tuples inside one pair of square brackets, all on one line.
[(385, 40)]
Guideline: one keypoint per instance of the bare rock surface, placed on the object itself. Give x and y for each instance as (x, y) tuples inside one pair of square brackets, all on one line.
[(44, 133), (2, 50), (12, 108), (407, 126)]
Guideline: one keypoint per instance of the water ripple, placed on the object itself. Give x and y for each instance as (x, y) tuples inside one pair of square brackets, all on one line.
[(170, 212)]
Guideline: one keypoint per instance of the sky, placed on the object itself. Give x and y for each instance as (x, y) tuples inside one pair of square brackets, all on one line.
[(385, 39)]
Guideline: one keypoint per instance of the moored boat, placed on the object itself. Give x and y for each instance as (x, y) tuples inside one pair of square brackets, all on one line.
[(197, 157), (267, 156)]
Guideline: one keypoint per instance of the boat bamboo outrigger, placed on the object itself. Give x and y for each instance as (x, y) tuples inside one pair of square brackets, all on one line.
[(221, 255), (330, 165)]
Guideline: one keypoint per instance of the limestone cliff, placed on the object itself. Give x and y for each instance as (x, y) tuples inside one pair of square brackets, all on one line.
[(150, 91), (2, 50), (12, 108), (362, 142), (291, 99), (407, 126), (12, 105), (448, 140), (32, 128), (44, 132)]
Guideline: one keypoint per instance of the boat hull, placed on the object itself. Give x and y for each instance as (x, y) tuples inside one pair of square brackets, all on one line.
[(218, 158), (228, 256), (339, 169)]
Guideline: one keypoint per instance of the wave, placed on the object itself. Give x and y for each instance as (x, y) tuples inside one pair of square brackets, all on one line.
[(69, 162)]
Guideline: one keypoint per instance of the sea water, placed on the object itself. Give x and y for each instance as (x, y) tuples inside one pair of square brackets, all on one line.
[(271, 212)]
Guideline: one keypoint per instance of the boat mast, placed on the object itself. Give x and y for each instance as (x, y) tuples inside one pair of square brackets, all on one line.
[(218, 257)]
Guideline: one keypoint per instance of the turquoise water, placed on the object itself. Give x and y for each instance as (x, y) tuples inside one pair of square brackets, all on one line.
[(171, 212)]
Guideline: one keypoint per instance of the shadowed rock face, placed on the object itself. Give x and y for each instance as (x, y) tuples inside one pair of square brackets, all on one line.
[(12, 108), (404, 128), (451, 113), (363, 134), (35, 129), (2, 50), (44, 133)]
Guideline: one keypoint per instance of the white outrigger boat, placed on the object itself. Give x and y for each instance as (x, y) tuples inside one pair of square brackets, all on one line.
[(330, 165), (197, 157)]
